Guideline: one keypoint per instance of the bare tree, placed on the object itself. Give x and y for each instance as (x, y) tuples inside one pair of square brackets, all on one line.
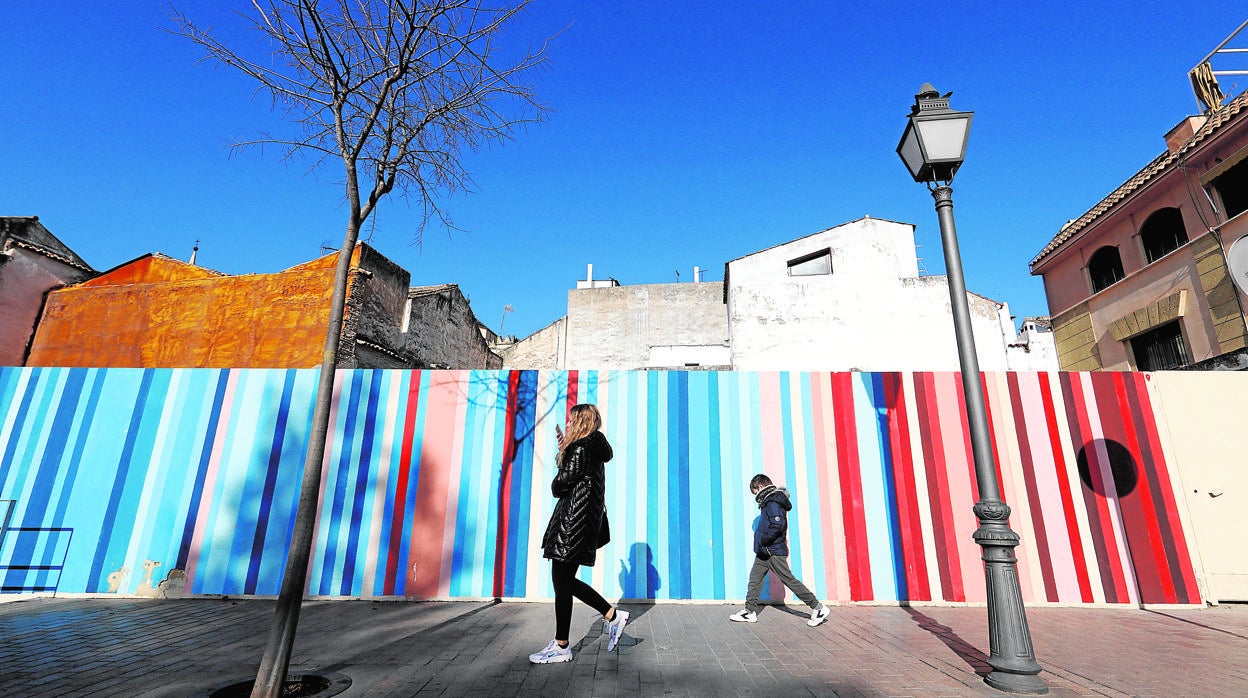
[(396, 91)]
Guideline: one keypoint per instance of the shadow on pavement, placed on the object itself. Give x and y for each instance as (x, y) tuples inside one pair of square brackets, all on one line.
[(968, 652)]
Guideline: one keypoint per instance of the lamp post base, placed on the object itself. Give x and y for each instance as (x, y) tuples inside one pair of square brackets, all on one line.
[(1027, 684), (1011, 655)]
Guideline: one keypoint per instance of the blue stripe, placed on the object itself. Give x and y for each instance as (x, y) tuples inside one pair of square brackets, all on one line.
[(119, 483), (349, 586), (201, 474), (270, 482), (526, 425), (79, 446), (50, 464), (392, 479), (879, 401), (338, 485), (679, 573), (652, 466), (16, 433)]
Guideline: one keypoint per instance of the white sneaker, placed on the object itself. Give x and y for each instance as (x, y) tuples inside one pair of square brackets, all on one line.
[(744, 616), (553, 654), (615, 628), (818, 615)]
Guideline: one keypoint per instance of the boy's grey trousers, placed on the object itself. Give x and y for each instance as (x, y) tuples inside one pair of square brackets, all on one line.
[(779, 566)]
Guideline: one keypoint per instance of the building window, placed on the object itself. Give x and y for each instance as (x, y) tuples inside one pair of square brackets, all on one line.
[(812, 264), (1163, 233), (1160, 348), (1232, 187), (1105, 268)]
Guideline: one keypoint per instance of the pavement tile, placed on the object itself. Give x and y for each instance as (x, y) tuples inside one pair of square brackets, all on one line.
[(101, 646)]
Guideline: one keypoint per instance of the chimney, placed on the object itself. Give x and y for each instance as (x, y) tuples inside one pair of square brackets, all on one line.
[(1183, 132), (697, 274)]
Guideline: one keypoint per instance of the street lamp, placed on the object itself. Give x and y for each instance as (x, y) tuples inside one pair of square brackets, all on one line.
[(932, 147)]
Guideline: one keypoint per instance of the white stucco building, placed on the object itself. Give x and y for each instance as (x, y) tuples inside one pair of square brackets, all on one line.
[(849, 298)]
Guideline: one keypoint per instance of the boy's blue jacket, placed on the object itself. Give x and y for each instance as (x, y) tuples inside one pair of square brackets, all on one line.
[(771, 534)]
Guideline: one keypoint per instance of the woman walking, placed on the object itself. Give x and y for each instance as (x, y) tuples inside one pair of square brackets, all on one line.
[(577, 528)]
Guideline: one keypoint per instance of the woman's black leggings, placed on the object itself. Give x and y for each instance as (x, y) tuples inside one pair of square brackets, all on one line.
[(563, 574)]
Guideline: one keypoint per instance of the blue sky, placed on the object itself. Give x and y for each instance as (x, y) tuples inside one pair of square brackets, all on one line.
[(682, 135)]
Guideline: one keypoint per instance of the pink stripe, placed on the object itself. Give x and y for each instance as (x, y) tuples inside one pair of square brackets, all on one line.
[(959, 466), (210, 478), (772, 425), (1112, 580), (1013, 482), (1049, 496), (454, 480), (430, 515), (821, 418)]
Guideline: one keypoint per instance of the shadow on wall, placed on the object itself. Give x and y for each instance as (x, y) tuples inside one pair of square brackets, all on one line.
[(1122, 467), (639, 578)]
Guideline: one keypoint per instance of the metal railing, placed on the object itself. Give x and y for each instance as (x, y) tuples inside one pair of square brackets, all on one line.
[(38, 557)]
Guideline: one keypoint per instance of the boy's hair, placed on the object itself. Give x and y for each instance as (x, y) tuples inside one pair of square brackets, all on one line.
[(759, 481)]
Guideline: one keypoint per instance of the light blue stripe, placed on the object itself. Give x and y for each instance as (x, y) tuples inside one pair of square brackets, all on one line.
[(701, 557), (875, 504)]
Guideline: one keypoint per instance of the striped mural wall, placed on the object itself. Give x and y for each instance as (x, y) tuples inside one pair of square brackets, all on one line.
[(436, 483)]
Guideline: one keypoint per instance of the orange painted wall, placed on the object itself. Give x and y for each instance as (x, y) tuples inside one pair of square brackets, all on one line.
[(162, 313)]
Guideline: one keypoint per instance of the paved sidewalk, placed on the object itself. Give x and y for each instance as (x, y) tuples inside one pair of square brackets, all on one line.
[(133, 647)]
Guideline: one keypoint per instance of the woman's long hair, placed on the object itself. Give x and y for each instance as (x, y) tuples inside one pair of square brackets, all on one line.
[(583, 421)]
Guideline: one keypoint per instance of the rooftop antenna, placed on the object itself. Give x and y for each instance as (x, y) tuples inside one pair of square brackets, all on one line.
[(1204, 77), (506, 309), (677, 276), (195, 251)]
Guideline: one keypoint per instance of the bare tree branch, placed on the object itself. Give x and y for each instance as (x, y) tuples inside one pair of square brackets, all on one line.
[(399, 90)]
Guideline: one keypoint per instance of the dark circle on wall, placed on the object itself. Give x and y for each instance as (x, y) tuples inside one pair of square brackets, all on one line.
[(1122, 466)]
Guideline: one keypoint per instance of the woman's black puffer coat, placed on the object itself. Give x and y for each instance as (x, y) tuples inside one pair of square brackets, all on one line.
[(580, 486)]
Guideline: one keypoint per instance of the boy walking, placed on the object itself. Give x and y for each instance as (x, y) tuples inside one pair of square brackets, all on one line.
[(771, 553)]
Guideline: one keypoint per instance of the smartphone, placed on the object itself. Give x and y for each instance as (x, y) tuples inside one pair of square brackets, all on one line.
[(558, 431)]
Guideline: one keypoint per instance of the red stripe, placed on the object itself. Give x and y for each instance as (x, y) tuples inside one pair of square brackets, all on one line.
[(1033, 491), (400, 491), (1130, 510), (1148, 552), (1183, 559), (917, 586), (1063, 484), (938, 494), (1096, 495), (852, 508), (504, 488), (573, 390)]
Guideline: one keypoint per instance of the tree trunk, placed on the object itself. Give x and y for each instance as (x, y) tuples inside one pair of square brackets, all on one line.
[(271, 676)]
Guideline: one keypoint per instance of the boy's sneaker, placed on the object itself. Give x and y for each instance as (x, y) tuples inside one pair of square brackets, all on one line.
[(818, 615), (615, 628), (553, 654), (744, 616)]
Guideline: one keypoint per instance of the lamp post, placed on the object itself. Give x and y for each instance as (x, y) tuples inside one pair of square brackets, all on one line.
[(932, 147)]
